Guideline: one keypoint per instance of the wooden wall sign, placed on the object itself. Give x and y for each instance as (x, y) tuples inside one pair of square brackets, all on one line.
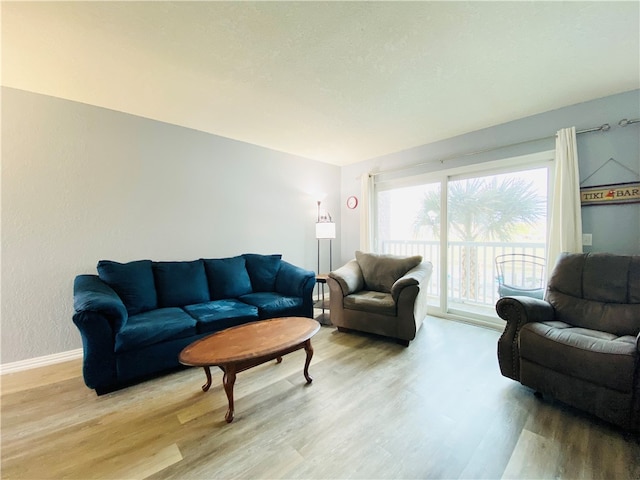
[(613, 194)]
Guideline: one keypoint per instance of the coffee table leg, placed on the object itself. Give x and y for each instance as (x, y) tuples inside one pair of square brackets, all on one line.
[(228, 381), (309, 349), (279, 360), (207, 385)]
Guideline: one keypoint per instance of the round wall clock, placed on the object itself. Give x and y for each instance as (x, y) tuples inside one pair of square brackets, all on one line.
[(352, 202)]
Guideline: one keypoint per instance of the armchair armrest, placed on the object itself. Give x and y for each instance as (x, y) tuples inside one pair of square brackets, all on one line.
[(409, 293), (518, 311), (418, 275), (349, 277)]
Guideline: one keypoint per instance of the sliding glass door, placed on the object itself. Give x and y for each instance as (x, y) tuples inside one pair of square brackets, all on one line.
[(486, 214)]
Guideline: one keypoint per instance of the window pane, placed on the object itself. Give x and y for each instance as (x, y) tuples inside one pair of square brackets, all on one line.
[(488, 216), (408, 223)]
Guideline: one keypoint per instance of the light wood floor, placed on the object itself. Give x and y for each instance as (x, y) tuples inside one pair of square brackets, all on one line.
[(438, 409)]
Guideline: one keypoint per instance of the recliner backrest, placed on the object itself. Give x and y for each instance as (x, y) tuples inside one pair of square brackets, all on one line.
[(599, 291)]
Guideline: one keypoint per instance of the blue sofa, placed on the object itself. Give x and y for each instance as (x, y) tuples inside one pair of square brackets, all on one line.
[(135, 318)]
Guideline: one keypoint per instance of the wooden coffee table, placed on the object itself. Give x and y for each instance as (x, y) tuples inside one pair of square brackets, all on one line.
[(245, 346)]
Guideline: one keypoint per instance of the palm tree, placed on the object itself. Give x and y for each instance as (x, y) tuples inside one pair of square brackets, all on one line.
[(481, 209)]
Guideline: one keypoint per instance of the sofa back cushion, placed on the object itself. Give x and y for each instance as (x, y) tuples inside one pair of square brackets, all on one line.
[(263, 270), (133, 282), (228, 277), (598, 291), (180, 283), (381, 271)]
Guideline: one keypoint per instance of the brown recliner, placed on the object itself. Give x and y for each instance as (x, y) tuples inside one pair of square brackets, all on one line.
[(581, 344)]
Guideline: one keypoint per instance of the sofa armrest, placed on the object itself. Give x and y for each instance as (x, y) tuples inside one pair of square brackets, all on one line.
[(99, 314), (90, 294), (293, 280), (349, 277), (518, 311), (296, 281)]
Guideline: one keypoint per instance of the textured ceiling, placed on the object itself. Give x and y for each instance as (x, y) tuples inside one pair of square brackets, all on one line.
[(337, 82)]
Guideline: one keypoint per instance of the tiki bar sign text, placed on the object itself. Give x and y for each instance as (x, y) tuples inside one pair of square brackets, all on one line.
[(610, 194)]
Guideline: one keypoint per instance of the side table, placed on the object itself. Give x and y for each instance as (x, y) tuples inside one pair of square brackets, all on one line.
[(322, 302)]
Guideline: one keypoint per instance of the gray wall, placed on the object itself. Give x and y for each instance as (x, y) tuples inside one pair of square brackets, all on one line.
[(615, 228), (82, 183)]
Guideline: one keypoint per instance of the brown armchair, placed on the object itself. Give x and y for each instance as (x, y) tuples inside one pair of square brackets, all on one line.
[(581, 344), (381, 294)]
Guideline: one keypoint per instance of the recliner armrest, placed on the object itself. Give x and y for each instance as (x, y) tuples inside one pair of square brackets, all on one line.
[(418, 275), (524, 309), (349, 276), (518, 311)]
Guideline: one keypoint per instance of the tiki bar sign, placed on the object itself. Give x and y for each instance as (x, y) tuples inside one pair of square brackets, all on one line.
[(613, 194)]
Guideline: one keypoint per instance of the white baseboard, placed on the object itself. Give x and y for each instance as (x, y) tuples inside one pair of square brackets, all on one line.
[(40, 361)]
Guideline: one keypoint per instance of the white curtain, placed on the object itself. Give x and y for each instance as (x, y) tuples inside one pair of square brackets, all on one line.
[(565, 225), (366, 192)]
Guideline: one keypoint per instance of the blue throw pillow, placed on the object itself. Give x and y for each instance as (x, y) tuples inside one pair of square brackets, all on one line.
[(263, 270), (180, 283), (228, 277), (133, 282)]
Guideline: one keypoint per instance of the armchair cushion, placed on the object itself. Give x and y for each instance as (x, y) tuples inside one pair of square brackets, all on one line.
[(228, 277), (133, 282), (180, 283), (381, 271), (263, 270), (373, 302)]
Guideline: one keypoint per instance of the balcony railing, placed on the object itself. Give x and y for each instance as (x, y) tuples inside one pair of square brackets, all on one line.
[(472, 277)]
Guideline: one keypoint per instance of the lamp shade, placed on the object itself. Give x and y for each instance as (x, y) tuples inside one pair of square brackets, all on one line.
[(325, 230)]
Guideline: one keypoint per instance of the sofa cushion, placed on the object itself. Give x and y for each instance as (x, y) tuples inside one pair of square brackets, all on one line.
[(597, 357), (272, 304), (373, 302), (154, 326), (228, 277), (180, 283), (133, 282), (381, 271), (221, 314), (263, 270)]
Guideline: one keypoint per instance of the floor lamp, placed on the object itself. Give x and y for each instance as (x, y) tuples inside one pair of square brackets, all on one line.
[(325, 229)]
